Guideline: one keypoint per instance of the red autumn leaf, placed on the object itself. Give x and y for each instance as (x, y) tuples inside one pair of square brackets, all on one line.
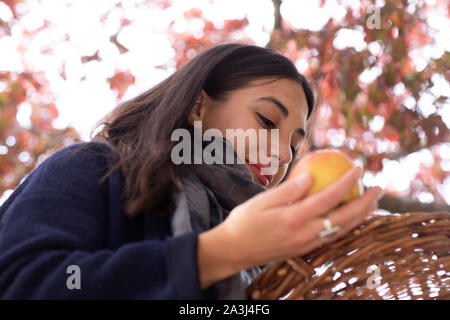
[(390, 133), (121, 47), (121, 81), (53, 111), (193, 13), (95, 56)]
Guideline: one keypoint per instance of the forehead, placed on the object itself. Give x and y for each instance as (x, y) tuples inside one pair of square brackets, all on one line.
[(287, 91)]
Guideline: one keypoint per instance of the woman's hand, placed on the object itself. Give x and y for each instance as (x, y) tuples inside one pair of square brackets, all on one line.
[(280, 223)]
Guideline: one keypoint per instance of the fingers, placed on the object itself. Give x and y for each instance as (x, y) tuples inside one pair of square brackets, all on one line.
[(358, 207), (346, 218), (325, 200), (318, 242), (290, 190)]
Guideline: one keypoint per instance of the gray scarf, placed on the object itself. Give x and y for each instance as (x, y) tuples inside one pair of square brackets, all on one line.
[(211, 191)]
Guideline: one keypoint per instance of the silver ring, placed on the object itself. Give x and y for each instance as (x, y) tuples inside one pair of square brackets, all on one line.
[(330, 231)]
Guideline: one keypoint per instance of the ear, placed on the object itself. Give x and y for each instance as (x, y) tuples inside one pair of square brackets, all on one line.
[(199, 109)]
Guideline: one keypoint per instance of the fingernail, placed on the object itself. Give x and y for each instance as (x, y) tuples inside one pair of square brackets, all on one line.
[(379, 193), (358, 172), (302, 178), (371, 212), (374, 206)]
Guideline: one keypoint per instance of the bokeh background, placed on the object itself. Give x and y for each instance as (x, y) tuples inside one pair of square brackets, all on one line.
[(381, 71)]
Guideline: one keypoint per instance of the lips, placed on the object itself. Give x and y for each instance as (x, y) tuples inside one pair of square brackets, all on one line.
[(256, 169)]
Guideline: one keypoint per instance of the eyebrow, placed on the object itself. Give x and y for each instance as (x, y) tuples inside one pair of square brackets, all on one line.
[(283, 110)]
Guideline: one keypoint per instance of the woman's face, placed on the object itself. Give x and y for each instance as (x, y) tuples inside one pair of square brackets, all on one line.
[(279, 104)]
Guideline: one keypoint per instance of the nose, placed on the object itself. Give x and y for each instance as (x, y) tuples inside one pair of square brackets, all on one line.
[(280, 152), (280, 158), (285, 154)]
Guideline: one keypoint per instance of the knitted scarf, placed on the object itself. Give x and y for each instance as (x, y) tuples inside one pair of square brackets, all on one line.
[(211, 191)]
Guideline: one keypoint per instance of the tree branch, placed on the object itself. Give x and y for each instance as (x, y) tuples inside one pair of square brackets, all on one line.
[(277, 6), (403, 153), (402, 205), (277, 28)]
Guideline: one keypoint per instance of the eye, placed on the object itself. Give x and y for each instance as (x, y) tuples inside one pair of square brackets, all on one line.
[(266, 121)]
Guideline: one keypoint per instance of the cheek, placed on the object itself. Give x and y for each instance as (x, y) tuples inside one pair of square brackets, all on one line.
[(224, 118)]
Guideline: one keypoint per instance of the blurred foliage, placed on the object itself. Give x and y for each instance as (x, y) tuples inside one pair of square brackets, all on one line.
[(346, 105)]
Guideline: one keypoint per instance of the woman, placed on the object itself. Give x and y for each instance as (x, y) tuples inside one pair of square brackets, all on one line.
[(118, 218)]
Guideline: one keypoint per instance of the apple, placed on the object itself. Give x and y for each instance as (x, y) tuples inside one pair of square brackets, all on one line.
[(326, 166)]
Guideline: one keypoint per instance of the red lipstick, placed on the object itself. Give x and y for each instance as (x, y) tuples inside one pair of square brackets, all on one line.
[(256, 169)]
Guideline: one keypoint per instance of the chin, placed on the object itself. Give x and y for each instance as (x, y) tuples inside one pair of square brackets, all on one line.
[(254, 176), (272, 184), (278, 178)]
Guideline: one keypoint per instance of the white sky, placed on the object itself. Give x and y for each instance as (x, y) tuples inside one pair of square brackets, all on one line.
[(83, 103)]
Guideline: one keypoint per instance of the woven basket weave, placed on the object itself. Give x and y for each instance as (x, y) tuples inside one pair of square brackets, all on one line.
[(387, 257)]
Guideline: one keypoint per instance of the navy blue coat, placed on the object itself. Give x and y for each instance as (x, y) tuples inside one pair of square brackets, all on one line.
[(61, 216)]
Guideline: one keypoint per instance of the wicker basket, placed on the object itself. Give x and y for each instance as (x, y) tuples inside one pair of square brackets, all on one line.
[(388, 257)]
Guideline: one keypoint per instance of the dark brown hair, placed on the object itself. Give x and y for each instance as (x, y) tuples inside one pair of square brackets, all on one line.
[(139, 130)]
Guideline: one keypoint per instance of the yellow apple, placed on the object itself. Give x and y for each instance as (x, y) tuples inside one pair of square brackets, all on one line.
[(326, 166)]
